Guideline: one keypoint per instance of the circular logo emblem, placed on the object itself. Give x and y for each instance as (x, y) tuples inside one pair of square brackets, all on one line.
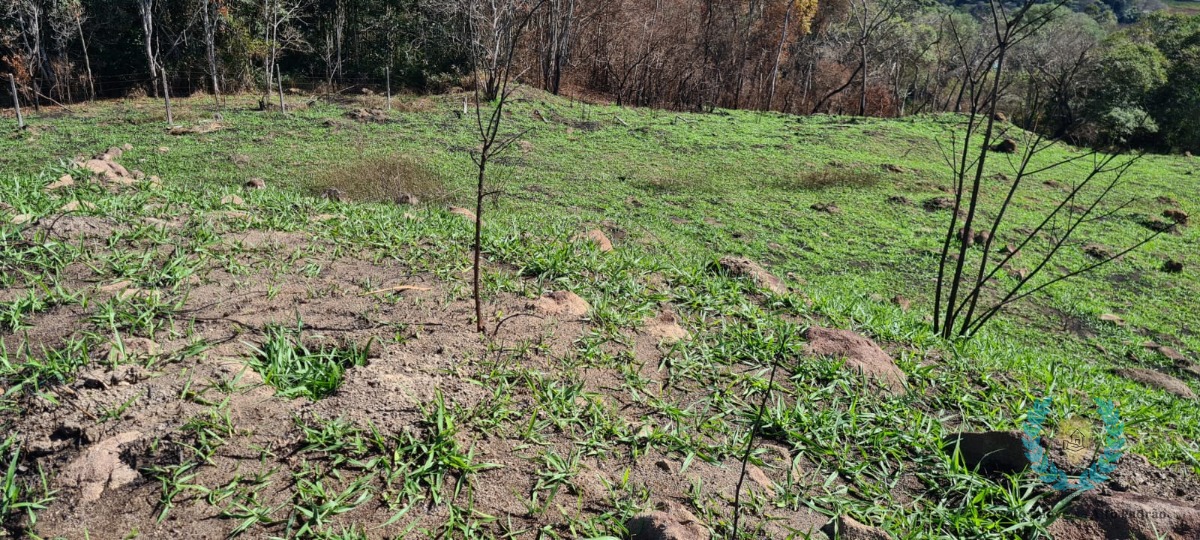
[(1096, 473)]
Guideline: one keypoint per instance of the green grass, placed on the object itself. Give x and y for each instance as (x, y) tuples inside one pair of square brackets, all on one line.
[(296, 371), (676, 192)]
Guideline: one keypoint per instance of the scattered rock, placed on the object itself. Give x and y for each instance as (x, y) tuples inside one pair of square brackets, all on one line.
[(938, 203), (21, 219), (1172, 266), (334, 194), (828, 208), (460, 211), (666, 327), (256, 183), (1114, 319), (746, 268), (597, 237), (1007, 146), (368, 115), (1155, 379), (990, 451), (407, 199), (232, 199), (115, 287), (74, 206), (1179, 217), (759, 477), (100, 468), (861, 354), (671, 522), (847, 528), (562, 303), (1097, 251), (1121, 515), (63, 181)]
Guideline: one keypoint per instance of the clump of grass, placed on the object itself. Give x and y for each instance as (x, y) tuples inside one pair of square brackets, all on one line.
[(384, 179), (296, 371), (830, 177)]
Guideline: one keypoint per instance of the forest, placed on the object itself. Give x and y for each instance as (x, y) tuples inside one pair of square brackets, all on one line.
[(1106, 74)]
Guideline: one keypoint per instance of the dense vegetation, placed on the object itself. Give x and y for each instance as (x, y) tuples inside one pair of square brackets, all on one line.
[(1103, 72)]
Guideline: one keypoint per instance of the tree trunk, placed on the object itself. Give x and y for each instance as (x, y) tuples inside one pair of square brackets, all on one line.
[(210, 46), (862, 100), (146, 8), (787, 19)]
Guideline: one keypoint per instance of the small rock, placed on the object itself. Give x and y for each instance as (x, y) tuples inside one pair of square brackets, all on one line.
[(746, 268), (861, 354), (319, 218), (115, 287), (62, 182), (126, 147), (902, 302), (232, 199), (990, 451), (164, 149), (1114, 319), (256, 183), (759, 477), (20, 219), (828, 208), (100, 468), (597, 237), (983, 237), (1172, 266), (847, 528), (74, 206), (154, 181), (671, 522), (1009, 250), (334, 194), (562, 303), (1007, 146)]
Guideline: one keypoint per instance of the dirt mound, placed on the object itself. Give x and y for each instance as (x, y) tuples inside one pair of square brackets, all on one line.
[(847, 528), (746, 268), (665, 326), (1113, 516), (938, 203), (670, 522), (861, 354), (563, 304), (368, 115), (1158, 380), (105, 169), (100, 468), (72, 227), (597, 237)]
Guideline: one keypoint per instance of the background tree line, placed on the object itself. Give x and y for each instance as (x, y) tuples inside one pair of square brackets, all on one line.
[(1107, 72)]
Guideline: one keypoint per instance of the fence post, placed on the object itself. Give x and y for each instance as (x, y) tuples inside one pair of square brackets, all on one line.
[(12, 82), (388, 72)]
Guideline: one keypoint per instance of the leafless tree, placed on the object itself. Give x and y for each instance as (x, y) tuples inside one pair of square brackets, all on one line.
[(280, 34), (959, 290), (211, 20), (31, 54), (556, 24)]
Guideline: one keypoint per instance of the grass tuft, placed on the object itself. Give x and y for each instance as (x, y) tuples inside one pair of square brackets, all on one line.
[(296, 371)]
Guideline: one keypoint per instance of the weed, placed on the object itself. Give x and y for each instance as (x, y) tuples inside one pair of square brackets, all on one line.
[(296, 371)]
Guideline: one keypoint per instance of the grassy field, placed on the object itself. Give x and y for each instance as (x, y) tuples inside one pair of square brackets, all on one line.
[(259, 306), (1183, 7)]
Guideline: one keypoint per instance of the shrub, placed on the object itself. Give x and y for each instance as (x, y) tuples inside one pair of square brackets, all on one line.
[(384, 179)]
